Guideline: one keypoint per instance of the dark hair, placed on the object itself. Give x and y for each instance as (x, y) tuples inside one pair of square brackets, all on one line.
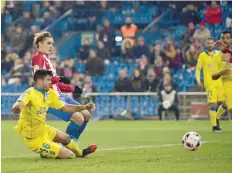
[(41, 74), (226, 32), (40, 37)]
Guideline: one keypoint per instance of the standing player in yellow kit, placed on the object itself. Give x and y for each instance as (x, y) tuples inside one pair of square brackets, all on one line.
[(213, 88), (224, 70)]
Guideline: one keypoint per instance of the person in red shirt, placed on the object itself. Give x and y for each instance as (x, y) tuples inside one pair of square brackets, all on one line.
[(213, 14), (41, 60)]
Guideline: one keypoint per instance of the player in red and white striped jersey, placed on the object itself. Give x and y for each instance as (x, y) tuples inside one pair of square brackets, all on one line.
[(41, 60)]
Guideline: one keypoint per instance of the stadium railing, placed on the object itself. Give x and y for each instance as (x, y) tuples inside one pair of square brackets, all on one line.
[(130, 105)]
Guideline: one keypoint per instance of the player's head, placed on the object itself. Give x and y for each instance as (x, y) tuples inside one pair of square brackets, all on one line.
[(210, 44), (44, 42), (226, 37), (42, 79)]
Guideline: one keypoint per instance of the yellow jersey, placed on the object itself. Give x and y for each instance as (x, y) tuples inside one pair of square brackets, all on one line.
[(220, 65), (31, 123), (205, 61)]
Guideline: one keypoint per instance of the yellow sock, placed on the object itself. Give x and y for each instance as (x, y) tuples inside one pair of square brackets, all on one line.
[(213, 115), (74, 148), (221, 110)]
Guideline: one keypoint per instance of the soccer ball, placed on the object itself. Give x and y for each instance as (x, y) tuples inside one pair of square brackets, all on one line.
[(191, 141)]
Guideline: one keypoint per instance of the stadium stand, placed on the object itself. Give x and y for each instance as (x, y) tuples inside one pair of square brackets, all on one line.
[(20, 20)]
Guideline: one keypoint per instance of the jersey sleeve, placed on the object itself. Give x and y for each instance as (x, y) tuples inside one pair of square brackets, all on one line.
[(215, 68), (65, 87), (25, 97), (199, 67), (37, 63), (56, 102)]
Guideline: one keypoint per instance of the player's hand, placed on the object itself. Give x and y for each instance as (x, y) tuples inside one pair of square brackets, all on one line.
[(16, 109), (220, 45), (225, 72), (65, 80), (226, 57), (90, 106)]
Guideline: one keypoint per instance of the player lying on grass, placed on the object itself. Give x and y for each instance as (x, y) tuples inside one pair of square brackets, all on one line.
[(39, 137), (41, 60), (224, 69), (213, 88)]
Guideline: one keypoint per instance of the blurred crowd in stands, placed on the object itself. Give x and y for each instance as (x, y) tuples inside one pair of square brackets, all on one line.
[(154, 63)]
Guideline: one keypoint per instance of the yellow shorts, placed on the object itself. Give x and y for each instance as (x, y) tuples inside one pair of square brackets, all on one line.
[(215, 94), (228, 96), (44, 144)]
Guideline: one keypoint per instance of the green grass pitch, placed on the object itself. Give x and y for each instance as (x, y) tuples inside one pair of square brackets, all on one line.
[(128, 147)]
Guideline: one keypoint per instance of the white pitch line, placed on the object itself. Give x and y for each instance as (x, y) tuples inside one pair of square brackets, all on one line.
[(110, 149)]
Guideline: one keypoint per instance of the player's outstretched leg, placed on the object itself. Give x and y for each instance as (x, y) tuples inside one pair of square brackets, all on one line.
[(75, 132)]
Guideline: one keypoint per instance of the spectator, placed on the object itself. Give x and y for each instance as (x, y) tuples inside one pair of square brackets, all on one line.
[(129, 30), (158, 66), (151, 82), (77, 79), (88, 86), (16, 72), (8, 61), (172, 54), (213, 14), (47, 20), (167, 80), (141, 49), (127, 49), (191, 57), (30, 37), (143, 64), (44, 8), (84, 51), (102, 52), (190, 14), (7, 18), (18, 39), (202, 34), (108, 36), (137, 81), (27, 21), (168, 101), (157, 52), (67, 68), (187, 37), (94, 65), (123, 84)]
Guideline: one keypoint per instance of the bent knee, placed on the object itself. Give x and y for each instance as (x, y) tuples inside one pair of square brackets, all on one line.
[(77, 118), (86, 114)]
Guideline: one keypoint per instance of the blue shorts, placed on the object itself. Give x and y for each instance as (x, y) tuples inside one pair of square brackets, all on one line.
[(63, 115)]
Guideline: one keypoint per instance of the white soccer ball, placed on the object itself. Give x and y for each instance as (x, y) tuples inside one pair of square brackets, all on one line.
[(191, 141)]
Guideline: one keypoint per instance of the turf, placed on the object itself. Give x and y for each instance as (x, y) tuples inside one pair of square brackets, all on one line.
[(157, 149)]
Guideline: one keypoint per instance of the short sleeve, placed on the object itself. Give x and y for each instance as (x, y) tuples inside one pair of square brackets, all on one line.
[(56, 102), (25, 97)]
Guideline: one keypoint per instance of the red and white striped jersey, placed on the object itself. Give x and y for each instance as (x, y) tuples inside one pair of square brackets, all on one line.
[(43, 61)]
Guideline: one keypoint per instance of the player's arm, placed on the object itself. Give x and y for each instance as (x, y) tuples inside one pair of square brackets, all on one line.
[(69, 88), (59, 105), (77, 108), (22, 101), (221, 73), (198, 70)]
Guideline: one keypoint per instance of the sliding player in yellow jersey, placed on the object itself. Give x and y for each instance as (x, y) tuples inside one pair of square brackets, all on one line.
[(213, 88), (38, 136), (224, 70)]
